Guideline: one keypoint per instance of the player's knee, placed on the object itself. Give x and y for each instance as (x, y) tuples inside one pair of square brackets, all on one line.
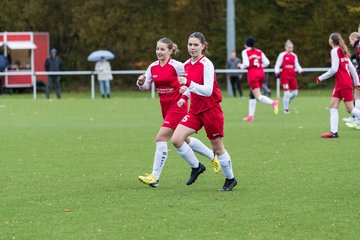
[(251, 95), (177, 141)]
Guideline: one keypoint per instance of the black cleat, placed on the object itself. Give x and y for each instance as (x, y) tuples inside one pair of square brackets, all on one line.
[(195, 172), (229, 184)]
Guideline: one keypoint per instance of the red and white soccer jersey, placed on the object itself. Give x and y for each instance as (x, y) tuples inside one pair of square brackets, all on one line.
[(205, 98), (344, 72), (289, 64), (255, 61), (202, 84), (167, 86)]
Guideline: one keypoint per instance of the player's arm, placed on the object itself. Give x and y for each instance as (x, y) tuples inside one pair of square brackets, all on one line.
[(246, 63), (297, 65), (354, 75), (334, 66), (264, 60), (278, 63), (144, 80)]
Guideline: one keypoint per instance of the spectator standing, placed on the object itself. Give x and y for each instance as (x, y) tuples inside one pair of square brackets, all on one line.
[(104, 76), (53, 64), (235, 78)]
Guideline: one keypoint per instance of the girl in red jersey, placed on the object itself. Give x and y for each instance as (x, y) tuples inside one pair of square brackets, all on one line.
[(205, 111), (354, 39), (289, 64), (255, 61), (345, 75), (164, 73)]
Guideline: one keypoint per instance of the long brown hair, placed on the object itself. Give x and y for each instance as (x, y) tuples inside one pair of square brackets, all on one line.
[(201, 37), (337, 40)]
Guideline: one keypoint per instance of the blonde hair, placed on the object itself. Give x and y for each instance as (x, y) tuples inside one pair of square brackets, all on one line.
[(355, 35), (337, 40), (171, 45), (288, 42)]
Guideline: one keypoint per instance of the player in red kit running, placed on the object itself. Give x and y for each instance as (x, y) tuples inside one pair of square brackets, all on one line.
[(164, 73), (255, 61), (346, 76), (205, 111), (289, 64)]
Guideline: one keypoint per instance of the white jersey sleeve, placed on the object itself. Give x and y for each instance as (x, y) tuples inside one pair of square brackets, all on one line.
[(245, 58), (179, 67), (148, 78), (264, 60), (279, 62), (354, 75), (334, 65), (207, 88), (297, 64)]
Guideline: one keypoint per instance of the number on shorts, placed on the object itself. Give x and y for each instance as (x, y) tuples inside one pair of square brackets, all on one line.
[(185, 118)]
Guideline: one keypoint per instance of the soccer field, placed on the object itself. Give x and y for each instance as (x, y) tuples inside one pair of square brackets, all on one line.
[(69, 171)]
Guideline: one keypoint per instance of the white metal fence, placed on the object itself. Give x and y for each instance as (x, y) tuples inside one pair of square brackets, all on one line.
[(134, 72)]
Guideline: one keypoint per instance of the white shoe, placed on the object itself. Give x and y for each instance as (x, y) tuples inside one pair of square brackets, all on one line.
[(351, 124), (357, 125), (348, 120)]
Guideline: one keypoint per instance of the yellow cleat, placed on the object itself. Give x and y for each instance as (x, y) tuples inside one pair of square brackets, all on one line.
[(149, 179), (351, 125), (275, 106), (216, 164)]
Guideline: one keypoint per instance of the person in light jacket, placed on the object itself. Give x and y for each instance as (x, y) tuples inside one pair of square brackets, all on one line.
[(104, 76)]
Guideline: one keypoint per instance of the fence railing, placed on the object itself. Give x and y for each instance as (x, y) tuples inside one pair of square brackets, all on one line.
[(129, 72)]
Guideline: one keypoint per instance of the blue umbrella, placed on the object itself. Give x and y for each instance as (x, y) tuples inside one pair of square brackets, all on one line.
[(97, 55)]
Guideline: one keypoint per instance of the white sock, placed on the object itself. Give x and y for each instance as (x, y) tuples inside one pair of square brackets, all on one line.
[(286, 100), (252, 107), (334, 120), (199, 147), (265, 99), (226, 166), (161, 154), (293, 94), (355, 112), (357, 103), (188, 154)]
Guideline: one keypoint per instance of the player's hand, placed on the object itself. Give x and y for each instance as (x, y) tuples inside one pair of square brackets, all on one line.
[(317, 80), (183, 89), (182, 80), (357, 88), (180, 102), (141, 80)]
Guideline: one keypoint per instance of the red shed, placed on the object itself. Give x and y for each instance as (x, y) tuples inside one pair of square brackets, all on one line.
[(27, 52)]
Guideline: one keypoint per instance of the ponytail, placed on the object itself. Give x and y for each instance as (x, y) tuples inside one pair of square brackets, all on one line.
[(337, 40)]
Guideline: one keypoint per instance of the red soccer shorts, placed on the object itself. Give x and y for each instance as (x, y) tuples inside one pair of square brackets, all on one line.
[(173, 117), (345, 94), (212, 120), (288, 84)]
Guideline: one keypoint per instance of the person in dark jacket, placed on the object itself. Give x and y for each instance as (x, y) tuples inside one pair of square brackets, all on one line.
[(53, 64)]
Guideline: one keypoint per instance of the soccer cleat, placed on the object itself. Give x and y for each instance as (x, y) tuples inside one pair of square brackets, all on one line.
[(216, 164), (357, 125), (149, 179), (229, 184), (249, 119), (330, 135), (275, 106), (351, 124), (195, 172), (349, 119), (286, 112)]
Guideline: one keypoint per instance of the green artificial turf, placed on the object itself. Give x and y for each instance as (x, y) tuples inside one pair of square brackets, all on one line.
[(69, 170)]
